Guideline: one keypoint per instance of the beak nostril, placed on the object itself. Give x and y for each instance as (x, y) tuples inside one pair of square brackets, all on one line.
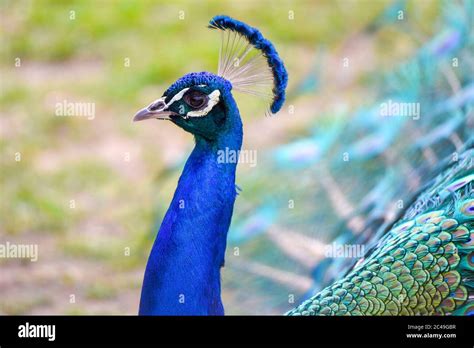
[(156, 106)]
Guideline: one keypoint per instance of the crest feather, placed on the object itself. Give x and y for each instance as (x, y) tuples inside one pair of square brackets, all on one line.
[(250, 62)]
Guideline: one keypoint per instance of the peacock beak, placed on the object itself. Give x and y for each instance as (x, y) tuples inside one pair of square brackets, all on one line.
[(157, 110)]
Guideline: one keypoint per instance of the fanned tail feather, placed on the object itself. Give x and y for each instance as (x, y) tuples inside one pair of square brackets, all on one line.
[(391, 161)]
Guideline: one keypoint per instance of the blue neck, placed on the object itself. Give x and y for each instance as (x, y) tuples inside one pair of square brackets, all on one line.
[(182, 276)]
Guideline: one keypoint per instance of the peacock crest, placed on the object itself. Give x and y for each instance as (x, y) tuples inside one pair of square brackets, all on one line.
[(250, 62)]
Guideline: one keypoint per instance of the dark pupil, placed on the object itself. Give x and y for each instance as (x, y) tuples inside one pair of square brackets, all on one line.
[(196, 100)]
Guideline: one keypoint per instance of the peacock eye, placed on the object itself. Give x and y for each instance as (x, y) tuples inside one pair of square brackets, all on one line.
[(196, 99)]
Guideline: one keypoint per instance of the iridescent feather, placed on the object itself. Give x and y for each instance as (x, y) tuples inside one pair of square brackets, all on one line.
[(422, 265)]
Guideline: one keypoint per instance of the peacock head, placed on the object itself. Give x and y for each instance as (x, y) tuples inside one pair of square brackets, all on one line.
[(202, 103)]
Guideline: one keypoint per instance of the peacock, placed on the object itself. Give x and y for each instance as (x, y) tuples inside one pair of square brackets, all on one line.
[(419, 260)]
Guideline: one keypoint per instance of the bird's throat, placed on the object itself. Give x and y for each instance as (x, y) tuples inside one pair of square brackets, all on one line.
[(183, 271)]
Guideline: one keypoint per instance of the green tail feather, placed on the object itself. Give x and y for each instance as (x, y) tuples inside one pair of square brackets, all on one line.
[(421, 266)]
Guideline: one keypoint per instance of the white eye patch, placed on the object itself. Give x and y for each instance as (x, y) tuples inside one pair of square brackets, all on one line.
[(177, 96), (213, 100), (165, 105)]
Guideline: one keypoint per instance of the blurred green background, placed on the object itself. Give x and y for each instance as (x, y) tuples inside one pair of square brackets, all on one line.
[(86, 190)]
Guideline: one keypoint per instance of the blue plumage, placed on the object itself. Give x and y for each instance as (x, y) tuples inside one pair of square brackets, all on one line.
[(198, 78), (183, 272)]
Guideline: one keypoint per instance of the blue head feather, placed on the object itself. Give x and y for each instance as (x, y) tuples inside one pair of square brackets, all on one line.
[(199, 78), (255, 38)]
